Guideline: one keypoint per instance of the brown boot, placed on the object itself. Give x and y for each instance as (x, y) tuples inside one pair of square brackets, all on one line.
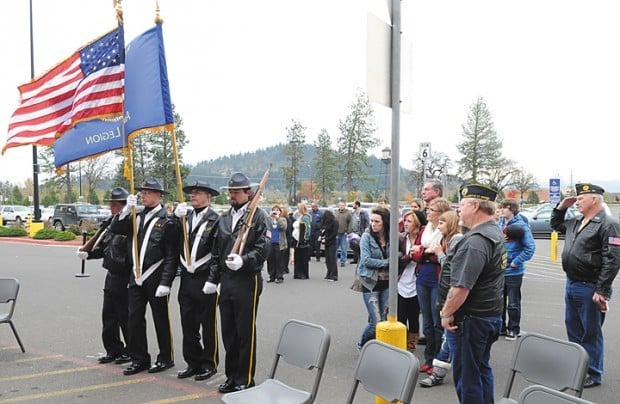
[(412, 340)]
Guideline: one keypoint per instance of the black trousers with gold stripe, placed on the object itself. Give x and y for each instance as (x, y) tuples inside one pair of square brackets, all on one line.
[(198, 311), (239, 294), (139, 297)]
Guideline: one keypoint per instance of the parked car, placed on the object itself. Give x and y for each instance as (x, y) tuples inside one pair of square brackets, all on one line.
[(66, 214), (47, 213), (14, 213), (539, 220)]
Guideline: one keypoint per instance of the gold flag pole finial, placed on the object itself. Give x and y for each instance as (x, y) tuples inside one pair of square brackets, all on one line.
[(119, 10), (158, 19)]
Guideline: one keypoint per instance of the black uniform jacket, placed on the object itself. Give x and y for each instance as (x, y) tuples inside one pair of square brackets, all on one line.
[(114, 249), (205, 243), (163, 244), (592, 254), (256, 247)]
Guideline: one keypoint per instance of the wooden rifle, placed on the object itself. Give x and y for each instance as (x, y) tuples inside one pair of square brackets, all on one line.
[(94, 241), (242, 238)]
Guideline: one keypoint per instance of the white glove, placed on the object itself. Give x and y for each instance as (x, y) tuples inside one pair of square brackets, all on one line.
[(209, 288), (162, 291), (181, 210), (81, 254), (234, 262), (132, 201)]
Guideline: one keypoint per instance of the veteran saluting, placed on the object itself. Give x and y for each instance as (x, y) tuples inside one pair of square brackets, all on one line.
[(197, 308)]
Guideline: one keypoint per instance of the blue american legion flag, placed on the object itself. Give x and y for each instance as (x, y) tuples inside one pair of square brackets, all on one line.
[(87, 85), (147, 104)]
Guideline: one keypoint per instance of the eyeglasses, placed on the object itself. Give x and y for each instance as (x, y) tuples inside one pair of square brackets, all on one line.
[(433, 209)]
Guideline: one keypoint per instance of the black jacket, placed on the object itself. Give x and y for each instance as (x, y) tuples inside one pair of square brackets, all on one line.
[(114, 249), (592, 254), (205, 243), (163, 244), (256, 247)]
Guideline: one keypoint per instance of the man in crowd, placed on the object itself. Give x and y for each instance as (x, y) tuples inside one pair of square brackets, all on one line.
[(113, 248), (360, 222), (155, 250), (344, 227), (239, 276), (591, 258), (473, 307), (520, 247), (315, 231), (432, 189), (197, 308)]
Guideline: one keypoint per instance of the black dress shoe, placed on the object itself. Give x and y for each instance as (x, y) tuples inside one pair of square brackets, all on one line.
[(589, 382), (188, 371), (135, 368), (244, 386), (160, 367), (205, 374), (227, 387), (106, 359), (122, 358), (270, 280)]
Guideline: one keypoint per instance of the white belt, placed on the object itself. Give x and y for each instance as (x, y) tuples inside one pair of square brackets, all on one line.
[(196, 264)]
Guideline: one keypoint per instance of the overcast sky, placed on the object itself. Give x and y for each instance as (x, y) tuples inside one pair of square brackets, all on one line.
[(241, 70)]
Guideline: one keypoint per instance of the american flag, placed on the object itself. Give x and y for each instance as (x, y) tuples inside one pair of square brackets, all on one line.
[(88, 85)]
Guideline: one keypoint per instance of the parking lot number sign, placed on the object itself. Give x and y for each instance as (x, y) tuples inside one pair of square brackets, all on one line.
[(425, 150), (554, 190)]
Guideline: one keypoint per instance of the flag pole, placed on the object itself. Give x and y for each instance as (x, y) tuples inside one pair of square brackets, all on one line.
[(181, 197), (128, 154)]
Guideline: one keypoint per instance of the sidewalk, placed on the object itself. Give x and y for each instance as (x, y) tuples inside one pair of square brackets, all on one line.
[(28, 240)]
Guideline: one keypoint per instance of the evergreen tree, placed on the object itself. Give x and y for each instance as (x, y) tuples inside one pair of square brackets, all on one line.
[(356, 140), (325, 164), (294, 150), (481, 148)]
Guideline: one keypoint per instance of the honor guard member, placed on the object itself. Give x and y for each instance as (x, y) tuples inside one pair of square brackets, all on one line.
[(114, 249), (157, 256), (240, 282), (197, 308), (591, 258)]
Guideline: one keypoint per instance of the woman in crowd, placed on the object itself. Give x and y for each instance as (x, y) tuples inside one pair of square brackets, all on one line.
[(427, 281), (301, 237), (373, 270), (452, 233), (329, 231), (417, 204), (277, 260), (408, 307), (289, 236)]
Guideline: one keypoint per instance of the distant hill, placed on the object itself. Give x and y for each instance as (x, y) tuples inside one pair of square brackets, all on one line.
[(254, 164)]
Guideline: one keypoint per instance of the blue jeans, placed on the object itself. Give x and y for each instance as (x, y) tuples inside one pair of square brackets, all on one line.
[(447, 346), (341, 241), (473, 376), (512, 303), (431, 322), (377, 307), (584, 322)]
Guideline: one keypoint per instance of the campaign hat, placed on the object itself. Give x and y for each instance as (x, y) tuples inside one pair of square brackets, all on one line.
[(153, 184), (118, 194), (201, 186), (478, 191), (584, 188), (239, 181)]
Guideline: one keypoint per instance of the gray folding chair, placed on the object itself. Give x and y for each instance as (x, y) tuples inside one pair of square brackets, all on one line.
[(301, 344), (9, 287), (386, 371), (551, 362), (537, 394)]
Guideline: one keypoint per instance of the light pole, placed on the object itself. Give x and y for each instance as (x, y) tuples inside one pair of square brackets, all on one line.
[(386, 158)]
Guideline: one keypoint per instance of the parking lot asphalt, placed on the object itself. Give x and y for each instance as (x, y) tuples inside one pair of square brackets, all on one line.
[(58, 318)]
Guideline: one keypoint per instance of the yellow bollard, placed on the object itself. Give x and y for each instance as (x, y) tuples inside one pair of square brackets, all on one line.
[(1, 223), (35, 227), (554, 246), (394, 333)]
